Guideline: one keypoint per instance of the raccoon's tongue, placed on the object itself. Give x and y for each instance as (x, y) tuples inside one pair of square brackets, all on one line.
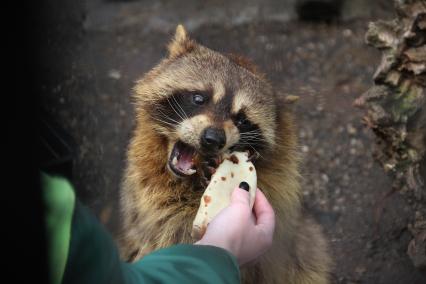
[(182, 159)]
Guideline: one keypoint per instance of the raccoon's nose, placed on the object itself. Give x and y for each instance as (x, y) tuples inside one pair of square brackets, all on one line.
[(213, 139)]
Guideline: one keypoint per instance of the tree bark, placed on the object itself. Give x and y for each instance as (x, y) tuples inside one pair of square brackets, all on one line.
[(396, 110)]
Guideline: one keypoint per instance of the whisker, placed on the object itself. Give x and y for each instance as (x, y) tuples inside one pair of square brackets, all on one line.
[(256, 135), (183, 111), (254, 142), (171, 105), (254, 150), (163, 121), (168, 117), (246, 143), (252, 138), (252, 131), (251, 135)]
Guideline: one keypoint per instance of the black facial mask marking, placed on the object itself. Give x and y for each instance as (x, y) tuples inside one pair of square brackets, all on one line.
[(250, 133), (186, 104), (180, 106)]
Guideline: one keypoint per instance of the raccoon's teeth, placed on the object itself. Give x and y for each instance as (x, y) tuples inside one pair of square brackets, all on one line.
[(174, 161), (190, 171)]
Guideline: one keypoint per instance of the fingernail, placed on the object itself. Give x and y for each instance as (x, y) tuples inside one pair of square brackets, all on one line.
[(244, 185)]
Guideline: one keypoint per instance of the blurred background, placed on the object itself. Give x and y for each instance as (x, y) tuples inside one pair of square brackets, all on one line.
[(93, 51)]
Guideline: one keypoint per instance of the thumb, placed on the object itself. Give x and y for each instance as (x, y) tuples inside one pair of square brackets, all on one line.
[(241, 195)]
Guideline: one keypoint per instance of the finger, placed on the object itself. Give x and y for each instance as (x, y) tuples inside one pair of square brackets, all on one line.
[(264, 212), (240, 196)]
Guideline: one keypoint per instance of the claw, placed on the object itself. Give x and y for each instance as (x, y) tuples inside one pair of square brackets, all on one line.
[(253, 156), (209, 166), (218, 160), (214, 162), (211, 170), (204, 181)]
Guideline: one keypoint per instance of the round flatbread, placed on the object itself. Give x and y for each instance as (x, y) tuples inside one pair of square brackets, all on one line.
[(234, 169)]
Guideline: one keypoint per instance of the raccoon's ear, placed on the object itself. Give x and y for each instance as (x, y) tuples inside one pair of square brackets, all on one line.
[(181, 43), (243, 62), (287, 101), (246, 64)]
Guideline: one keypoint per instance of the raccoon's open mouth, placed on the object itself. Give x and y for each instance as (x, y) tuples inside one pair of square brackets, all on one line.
[(182, 159)]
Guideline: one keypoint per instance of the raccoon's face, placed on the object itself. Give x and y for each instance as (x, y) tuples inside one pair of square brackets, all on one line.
[(205, 104)]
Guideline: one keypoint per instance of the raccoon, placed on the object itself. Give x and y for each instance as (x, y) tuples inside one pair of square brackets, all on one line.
[(193, 106)]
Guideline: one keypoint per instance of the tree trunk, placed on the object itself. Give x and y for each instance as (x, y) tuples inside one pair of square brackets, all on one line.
[(396, 110)]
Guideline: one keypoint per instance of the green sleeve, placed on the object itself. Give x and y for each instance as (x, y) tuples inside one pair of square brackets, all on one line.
[(185, 264), (92, 257), (59, 198)]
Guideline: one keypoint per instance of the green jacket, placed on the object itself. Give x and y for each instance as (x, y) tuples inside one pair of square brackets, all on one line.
[(81, 250)]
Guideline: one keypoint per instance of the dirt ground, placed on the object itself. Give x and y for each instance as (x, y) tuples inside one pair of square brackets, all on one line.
[(93, 54)]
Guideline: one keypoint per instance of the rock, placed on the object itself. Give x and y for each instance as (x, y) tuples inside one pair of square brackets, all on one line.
[(114, 74)]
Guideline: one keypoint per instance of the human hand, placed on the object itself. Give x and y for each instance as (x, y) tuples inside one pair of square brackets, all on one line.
[(246, 233)]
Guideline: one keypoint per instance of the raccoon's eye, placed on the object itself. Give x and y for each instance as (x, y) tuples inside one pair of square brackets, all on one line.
[(198, 99), (242, 122)]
